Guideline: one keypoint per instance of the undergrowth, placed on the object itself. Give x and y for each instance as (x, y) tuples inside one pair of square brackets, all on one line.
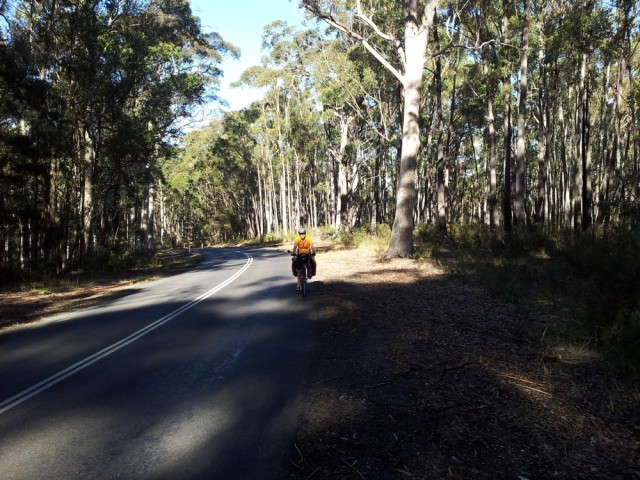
[(374, 236), (103, 265), (592, 277)]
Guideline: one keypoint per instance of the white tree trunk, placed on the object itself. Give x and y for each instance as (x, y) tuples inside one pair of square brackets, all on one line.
[(412, 58), (416, 40), (87, 157)]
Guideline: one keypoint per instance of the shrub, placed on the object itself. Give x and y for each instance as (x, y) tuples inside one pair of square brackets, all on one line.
[(427, 240), (611, 266)]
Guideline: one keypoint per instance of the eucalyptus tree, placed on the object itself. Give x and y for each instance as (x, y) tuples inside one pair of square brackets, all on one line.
[(576, 44), (442, 144), (343, 81), (188, 180), (404, 35), (379, 138), (620, 164), (168, 63), (521, 163), (238, 181), (286, 107), (486, 40), (110, 80), (212, 184), (480, 34), (308, 147), (35, 129)]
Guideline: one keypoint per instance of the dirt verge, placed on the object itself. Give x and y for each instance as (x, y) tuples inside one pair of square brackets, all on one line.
[(422, 375)]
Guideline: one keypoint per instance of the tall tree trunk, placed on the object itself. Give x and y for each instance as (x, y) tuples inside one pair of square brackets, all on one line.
[(604, 148), (88, 162), (274, 199), (416, 40), (143, 227), (578, 150), (506, 207), (261, 204), (586, 154), (342, 208), (441, 202), (163, 214), (377, 211), (412, 57), (565, 182), (543, 142), (492, 194), (521, 192), (426, 212), (615, 158), (51, 213), (151, 224)]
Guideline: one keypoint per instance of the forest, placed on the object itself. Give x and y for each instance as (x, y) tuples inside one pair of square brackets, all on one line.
[(512, 116)]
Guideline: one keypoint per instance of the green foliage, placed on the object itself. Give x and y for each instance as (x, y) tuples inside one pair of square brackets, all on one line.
[(427, 241), (327, 231), (93, 92), (375, 236), (118, 258), (350, 239), (272, 237)]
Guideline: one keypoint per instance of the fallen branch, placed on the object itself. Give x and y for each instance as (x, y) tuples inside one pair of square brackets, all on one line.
[(404, 472), (353, 468), (313, 473), (537, 390), (520, 379), (456, 367), (521, 382), (378, 385), (299, 453)]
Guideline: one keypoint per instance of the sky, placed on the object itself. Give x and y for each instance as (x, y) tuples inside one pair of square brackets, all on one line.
[(240, 22)]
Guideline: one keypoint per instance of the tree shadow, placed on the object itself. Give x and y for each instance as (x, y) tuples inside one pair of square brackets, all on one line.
[(436, 379), (210, 395)]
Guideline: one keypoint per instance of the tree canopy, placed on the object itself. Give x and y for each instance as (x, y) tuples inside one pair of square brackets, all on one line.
[(519, 114)]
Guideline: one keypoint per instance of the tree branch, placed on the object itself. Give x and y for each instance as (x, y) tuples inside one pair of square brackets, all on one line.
[(396, 73), (331, 20), (373, 26)]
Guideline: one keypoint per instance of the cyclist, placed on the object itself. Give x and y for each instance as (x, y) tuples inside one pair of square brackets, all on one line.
[(303, 245)]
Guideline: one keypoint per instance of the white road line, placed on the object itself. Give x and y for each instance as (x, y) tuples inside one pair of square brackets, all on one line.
[(81, 365)]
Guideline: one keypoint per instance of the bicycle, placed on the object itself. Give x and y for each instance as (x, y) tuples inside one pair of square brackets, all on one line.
[(302, 265)]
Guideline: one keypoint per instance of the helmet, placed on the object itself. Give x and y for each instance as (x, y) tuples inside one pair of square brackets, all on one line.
[(302, 231)]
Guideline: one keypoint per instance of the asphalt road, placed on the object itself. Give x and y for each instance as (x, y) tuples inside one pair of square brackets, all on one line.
[(196, 376)]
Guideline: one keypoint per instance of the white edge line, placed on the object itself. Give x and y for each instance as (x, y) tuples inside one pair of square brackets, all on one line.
[(40, 387)]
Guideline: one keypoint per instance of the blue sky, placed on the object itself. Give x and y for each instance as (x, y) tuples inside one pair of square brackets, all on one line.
[(241, 22)]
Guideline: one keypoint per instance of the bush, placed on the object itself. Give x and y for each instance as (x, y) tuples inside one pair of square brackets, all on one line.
[(427, 240), (612, 266), (110, 259), (327, 231), (375, 236)]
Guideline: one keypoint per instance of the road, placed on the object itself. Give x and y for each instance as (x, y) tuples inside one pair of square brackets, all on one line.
[(195, 376)]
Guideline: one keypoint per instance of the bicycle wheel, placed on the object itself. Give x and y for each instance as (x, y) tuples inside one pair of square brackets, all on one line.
[(304, 281)]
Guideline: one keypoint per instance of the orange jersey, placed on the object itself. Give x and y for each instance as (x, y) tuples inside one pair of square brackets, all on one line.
[(303, 246)]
